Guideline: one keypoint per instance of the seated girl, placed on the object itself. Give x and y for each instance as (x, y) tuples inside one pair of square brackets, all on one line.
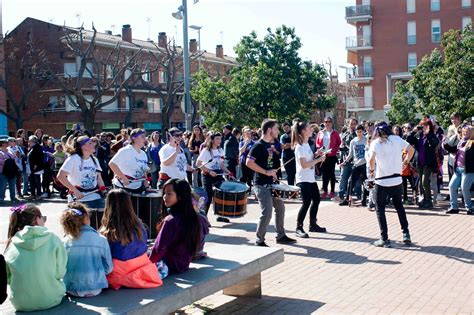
[(36, 261), (89, 259), (181, 233), (127, 240)]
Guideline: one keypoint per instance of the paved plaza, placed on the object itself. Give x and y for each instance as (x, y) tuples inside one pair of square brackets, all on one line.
[(340, 271)]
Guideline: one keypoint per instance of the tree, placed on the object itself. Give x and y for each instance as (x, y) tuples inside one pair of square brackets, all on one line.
[(443, 82), (20, 82), (269, 81), (100, 73), (403, 105)]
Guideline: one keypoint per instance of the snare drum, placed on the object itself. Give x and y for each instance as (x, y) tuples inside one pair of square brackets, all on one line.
[(230, 199), (148, 209), (283, 191)]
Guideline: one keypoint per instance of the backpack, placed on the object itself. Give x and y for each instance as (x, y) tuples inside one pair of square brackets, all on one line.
[(10, 169)]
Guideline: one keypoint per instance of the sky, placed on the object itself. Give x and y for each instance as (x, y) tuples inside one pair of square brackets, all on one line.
[(319, 23)]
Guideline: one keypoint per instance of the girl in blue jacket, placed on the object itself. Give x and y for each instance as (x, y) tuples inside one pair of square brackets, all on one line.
[(89, 258)]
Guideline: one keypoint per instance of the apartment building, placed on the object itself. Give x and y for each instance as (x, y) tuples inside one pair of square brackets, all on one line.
[(392, 36), (57, 112)]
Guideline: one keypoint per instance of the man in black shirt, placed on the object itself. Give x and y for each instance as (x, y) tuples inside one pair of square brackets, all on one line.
[(288, 154), (231, 151), (262, 160)]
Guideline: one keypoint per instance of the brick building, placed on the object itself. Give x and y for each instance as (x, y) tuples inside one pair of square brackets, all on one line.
[(392, 38), (3, 99), (58, 115)]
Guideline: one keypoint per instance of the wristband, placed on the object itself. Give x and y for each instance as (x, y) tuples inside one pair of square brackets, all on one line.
[(102, 188)]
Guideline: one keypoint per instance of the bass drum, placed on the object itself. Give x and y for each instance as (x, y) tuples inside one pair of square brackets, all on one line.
[(230, 199), (148, 209)]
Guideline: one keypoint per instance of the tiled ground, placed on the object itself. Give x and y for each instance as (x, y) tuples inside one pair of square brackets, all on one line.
[(340, 272)]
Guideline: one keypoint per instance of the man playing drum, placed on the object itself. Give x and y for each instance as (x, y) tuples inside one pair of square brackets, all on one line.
[(261, 160)]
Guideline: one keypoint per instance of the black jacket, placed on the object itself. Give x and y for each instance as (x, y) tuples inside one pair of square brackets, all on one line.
[(431, 144), (36, 158), (231, 148), (3, 280)]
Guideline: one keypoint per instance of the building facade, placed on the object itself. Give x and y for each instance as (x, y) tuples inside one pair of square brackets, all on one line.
[(392, 36), (55, 112)]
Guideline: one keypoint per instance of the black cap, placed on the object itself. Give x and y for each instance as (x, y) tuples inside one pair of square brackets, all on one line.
[(228, 127)]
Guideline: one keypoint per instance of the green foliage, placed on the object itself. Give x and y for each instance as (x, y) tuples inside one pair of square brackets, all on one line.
[(270, 81), (442, 83), (403, 105)]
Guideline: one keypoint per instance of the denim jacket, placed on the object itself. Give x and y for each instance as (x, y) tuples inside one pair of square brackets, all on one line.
[(89, 260)]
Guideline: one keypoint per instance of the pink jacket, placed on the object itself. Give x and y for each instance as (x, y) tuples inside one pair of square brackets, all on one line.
[(334, 142)]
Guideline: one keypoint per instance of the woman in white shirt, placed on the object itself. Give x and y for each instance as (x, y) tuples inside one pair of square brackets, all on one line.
[(80, 173), (305, 163), (173, 160), (211, 163), (130, 164)]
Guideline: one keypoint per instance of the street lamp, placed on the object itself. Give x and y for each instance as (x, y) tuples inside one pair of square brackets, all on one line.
[(182, 14)]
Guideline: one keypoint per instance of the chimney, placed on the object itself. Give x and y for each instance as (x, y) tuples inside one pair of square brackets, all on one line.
[(219, 51), (127, 33), (162, 39), (193, 46)]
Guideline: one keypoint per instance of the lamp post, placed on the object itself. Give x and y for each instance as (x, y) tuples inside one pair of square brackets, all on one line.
[(182, 14)]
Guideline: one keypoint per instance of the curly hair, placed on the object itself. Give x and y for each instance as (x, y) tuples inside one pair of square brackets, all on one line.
[(72, 219)]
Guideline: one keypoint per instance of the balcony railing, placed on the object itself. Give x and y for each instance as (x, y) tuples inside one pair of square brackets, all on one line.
[(360, 103), (365, 72), (358, 42), (358, 11)]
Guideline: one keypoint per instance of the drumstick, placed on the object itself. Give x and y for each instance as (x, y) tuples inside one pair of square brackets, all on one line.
[(176, 142), (85, 194), (285, 163)]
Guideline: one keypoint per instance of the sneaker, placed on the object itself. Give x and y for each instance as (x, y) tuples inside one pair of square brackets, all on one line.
[(222, 219), (324, 195), (44, 195), (337, 199), (285, 240), (382, 243), (317, 228), (345, 202), (301, 233), (332, 195), (261, 244), (406, 238), (452, 211), (440, 197)]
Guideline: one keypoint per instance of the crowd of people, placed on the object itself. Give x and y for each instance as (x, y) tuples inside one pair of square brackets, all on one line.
[(379, 164)]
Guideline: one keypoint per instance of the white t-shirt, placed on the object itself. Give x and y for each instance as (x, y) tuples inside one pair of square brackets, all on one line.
[(217, 158), (82, 173), (388, 157), (326, 139), (132, 163), (305, 175), (177, 169)]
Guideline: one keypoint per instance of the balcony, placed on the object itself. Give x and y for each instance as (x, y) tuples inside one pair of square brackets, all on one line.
[(364, 75), (355, 43), (359, 104), (358, 13)]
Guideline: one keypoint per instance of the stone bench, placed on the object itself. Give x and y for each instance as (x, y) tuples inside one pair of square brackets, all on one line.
[(233, 268)]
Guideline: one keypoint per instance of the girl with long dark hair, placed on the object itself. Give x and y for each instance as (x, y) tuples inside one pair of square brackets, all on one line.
[(197, 138), (305, 179), (181, 233)]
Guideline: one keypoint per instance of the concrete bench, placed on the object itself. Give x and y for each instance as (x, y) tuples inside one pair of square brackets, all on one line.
[(233, 268)]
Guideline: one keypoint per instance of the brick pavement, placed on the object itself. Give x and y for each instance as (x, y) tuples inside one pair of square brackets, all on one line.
[(340, 272)]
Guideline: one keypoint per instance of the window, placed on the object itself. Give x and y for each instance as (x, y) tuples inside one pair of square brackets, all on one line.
[(109, 71), (146, 76), (161, 77), (155, 105), (88, 71), (435, 5), (367, 66), (466, 21), (466, 3), (112, 107), (71, 105), (127, 74), (412, 62), (70, 70), (411, 33), (411, 6), (435, 31)]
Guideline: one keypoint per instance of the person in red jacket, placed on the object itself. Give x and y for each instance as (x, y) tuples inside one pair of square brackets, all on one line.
[(329, 138)]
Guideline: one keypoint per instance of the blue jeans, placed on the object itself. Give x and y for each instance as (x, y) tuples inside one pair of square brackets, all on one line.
[(3, 187), (24, 176), (346, 173), (95, 204), (465, 180)]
